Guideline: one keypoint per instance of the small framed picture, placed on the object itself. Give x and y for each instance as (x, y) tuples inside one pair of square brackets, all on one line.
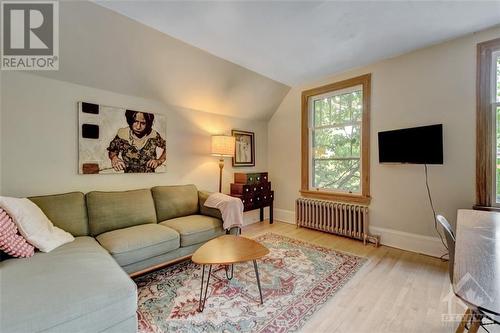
[(244, 155)]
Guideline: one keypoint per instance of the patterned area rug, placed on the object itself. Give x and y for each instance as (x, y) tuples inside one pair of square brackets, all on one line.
[(296, 277)]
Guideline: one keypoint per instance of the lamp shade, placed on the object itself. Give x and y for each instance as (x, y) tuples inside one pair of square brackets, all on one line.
[(223, 145)]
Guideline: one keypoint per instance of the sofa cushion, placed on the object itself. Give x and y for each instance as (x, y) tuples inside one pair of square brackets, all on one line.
[(11, 242), (133, 244), (116, 210), (34, 225), (67, 211), (77, 287), (175, 201), (209, 211), (195, 229)]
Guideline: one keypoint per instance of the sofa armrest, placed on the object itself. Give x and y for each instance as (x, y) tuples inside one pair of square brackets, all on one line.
[(214, 212)]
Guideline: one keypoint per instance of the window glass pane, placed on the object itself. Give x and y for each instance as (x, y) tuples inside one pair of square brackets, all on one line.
[(498, 79), (342, 175), (338, 109), (497, 155), (337, 142)]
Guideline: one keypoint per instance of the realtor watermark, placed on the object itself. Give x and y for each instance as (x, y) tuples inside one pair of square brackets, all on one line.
[(456, 307), (30, 35)]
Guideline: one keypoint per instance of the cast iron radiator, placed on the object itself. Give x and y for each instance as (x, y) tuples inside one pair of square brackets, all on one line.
[(345, 219)]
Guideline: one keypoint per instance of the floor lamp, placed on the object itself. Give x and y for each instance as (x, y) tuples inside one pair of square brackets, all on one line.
[(222, 146)]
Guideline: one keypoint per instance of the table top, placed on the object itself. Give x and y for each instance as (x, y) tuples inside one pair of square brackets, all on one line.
[(476, 274), (229, 249)]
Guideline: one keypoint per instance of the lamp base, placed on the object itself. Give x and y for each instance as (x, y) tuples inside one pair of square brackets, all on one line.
[(221, 166)]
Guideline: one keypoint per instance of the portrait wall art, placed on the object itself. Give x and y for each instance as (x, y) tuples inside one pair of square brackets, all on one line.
[(118, 140), (244, 155)]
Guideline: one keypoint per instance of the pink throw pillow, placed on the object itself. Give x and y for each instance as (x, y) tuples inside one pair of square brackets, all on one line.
[(11, 242)]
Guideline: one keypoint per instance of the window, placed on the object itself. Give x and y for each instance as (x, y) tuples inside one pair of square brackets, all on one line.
[(335, 141), (488, 124)]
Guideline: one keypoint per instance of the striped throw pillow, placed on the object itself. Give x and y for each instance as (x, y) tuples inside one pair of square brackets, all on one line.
[(11, 242)]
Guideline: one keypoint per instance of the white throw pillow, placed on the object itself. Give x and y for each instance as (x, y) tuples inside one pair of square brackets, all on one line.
[(34, 225)]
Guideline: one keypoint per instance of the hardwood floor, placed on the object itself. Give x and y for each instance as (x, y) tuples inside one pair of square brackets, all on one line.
[(395, 291)]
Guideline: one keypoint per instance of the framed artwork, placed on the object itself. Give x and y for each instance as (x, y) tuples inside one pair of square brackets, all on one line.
[(117, 140), (244, 155)]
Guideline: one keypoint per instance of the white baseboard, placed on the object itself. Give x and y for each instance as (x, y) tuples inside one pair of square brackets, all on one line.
[(253, 216), (283, 215), (427, 245)]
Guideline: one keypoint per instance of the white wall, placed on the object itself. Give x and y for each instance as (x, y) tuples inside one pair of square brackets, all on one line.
[(432, 85), (103, 49), (39, 137)]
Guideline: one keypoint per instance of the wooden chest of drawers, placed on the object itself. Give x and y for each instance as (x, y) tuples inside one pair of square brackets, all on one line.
[(246, 189), (251, 202), (254, 190), (251, 178)]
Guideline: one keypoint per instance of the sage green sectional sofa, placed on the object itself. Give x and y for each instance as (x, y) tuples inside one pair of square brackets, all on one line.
[(84, 286)]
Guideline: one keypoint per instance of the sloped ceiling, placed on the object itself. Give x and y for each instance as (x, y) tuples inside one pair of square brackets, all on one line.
[(296, 42), (103, 49)]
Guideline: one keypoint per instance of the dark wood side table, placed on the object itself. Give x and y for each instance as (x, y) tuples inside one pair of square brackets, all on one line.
[(255, 192)]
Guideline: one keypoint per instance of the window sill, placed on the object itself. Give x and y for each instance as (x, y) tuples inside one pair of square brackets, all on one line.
[(486, 208), (343, 197)]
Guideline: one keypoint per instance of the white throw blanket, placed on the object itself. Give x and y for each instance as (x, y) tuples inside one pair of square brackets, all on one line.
[(231, 209)]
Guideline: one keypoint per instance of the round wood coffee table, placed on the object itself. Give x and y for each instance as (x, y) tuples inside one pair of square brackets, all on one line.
[(227, 250)]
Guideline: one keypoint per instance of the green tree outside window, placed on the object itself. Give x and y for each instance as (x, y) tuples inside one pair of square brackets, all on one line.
[(336, 142)]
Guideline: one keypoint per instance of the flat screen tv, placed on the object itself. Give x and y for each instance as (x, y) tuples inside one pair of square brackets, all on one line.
[(417, 145)]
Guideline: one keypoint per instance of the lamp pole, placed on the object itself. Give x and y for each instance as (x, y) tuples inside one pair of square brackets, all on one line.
[(221, 166)]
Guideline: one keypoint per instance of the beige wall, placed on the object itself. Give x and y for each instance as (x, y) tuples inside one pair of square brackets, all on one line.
[(39, 138), (112, 60), (102, 49), (432, 85)]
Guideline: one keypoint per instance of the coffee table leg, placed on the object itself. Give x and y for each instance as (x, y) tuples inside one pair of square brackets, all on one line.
[(201, 305), (232, 271), (258, 280)]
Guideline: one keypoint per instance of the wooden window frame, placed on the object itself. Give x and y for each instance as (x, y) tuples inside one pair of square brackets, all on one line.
[(364, 196), (484, 123)]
